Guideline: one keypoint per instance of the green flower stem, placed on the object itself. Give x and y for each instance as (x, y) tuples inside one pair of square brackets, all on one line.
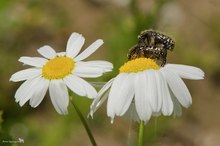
[(84, 123), (141, 133)]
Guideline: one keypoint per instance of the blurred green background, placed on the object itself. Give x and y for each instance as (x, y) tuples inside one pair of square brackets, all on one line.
[(26, 25)]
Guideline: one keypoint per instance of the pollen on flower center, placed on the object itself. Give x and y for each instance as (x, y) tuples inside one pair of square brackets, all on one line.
[(138, 65), (58, 68)]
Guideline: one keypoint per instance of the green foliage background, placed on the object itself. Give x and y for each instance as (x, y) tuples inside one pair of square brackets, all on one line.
[(27, 25)]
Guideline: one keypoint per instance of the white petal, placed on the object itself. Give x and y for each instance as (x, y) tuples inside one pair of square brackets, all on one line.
[(99, 103), (41, 89), (59, 96), (23, 89), (90, 90), (178, 87), (26, 90), (113, 94), (87, 72), (187, 72), (92, 69), (74, 44), (87, 88), (167, 104), (100, 98), (33, 61), (177, 109), (141, 100), (91, 49), (124, 95), (151, 89), (127, 95), (159, 91), (25, 74), (131, 113), (104, 65), (74, 83), (47, 52), (105, 88)]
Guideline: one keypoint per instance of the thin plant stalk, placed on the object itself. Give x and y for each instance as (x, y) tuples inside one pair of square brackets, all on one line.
[(89, 133), (141, 133)]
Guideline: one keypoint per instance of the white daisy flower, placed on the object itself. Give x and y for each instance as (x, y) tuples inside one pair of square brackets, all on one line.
[(151, 89), (57, 71)]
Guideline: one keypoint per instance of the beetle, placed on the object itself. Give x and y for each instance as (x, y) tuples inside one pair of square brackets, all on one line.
[(152, 44)]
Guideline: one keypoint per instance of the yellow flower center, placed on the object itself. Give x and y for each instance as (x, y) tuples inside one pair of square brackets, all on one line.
[(138, 65), (58, 68)]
